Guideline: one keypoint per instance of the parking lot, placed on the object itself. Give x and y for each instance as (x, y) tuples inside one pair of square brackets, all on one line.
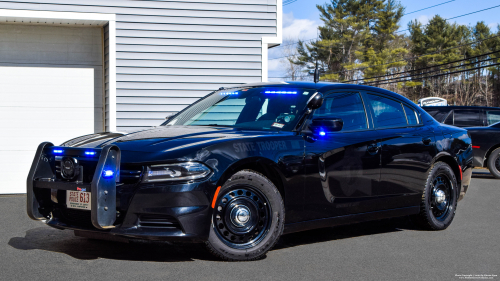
[(384, 250)]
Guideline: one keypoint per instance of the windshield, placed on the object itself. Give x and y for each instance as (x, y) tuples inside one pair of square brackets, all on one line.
[(260, 108)]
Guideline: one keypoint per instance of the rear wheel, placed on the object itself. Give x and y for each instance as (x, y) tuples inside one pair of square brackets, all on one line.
[(494, 163), (248, 218), (439, 199)]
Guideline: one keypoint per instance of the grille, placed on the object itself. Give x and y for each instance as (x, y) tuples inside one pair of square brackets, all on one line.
[(158, 221), (77, 217)]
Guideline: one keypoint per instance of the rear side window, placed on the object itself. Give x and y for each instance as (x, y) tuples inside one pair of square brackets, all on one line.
[(347, 106), (387, 113), (411, 115), (466, 118), (493, 116), (437, 114)]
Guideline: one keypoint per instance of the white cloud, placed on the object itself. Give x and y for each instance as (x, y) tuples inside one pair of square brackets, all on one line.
[(293, 30), (298, 28), (274, 65), (493, 26), (423, 19)]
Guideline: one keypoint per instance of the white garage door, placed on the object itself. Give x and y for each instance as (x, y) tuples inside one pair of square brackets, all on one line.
[(50, 90), (40, 104)]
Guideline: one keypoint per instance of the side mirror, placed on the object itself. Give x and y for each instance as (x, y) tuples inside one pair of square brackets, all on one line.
[(316, 101), (322, 126)]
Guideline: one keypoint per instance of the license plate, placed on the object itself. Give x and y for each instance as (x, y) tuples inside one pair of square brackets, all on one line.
[(78, 200)]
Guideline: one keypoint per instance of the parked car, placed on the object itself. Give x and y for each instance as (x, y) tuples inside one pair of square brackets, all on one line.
[(244, 165), (465, 116), (486, 146)]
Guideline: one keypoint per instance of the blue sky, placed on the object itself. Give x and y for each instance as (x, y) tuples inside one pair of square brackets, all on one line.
[(301, 18)]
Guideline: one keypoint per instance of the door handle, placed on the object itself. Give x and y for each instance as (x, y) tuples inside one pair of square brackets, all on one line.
[(426, 141), (373, 148)]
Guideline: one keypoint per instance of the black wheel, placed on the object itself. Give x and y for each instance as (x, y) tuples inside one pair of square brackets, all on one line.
[(248, 217), (439, 199), (494, 163)]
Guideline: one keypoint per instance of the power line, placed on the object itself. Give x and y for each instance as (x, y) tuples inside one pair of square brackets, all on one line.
[(423, 68), (432, 76), (418, 74), (436, 52), (433, 66), (288, 2), (458, 16), (430, 7)]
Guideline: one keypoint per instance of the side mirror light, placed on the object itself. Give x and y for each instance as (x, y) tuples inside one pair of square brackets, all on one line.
[(322, 126)]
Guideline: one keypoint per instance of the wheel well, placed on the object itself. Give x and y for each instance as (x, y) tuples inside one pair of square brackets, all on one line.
[(453, 164), (485, 164), (261, 167)]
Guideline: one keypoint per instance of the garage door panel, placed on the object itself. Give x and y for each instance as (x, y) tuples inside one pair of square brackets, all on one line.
[(40, 104)]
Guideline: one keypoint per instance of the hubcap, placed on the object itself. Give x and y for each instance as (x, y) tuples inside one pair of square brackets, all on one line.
[(441, 197), (242, 217)]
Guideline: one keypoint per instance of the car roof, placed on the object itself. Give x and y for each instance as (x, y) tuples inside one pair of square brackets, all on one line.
[(326, 86)]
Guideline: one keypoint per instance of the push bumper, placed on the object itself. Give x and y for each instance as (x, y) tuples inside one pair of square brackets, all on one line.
[(153, 211)]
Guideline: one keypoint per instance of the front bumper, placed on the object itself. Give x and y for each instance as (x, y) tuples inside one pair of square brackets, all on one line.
[(178, 212), (152, 211)]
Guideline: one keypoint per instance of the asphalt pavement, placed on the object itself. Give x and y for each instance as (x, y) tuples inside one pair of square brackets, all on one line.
[(385, 250)]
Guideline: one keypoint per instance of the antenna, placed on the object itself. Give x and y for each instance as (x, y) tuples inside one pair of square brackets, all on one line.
[(316, 70), (316, 73)]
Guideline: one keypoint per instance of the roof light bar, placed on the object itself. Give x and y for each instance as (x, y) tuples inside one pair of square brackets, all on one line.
[(281, 92), (90, 153), (228, 93), (58, 151)]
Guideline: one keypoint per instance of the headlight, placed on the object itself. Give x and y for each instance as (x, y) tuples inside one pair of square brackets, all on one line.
[(176, 172)]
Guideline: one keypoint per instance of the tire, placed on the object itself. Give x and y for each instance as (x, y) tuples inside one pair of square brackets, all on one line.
[(248, 218), (494, 163), (439, 199)]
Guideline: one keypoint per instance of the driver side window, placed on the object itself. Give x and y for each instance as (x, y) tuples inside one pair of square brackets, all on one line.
[(347, 106)]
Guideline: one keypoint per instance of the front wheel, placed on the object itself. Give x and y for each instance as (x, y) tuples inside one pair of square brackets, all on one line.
[(439, 199), (248, 218), (494, 163)]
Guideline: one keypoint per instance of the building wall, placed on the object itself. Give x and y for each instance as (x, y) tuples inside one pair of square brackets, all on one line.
[(170, 53)]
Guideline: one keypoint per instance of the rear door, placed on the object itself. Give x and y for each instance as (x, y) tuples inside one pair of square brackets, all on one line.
[(407, 149)]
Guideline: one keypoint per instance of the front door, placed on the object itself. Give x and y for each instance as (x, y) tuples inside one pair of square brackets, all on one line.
[(342, 168)]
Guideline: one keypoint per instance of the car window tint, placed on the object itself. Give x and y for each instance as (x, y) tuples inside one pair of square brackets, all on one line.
[(347, 106), (493, 116), (411, 115), (466, 118), (437, 114), (387, 113)]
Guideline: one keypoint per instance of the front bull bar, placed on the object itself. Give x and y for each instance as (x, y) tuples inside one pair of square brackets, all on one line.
[(103, 188)]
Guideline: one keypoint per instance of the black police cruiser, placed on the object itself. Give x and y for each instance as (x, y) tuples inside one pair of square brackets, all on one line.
[(244, 165)]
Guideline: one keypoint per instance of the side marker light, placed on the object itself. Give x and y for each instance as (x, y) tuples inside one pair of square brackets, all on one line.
[(215, 197)]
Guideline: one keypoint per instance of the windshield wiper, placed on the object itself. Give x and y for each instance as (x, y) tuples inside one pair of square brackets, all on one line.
[(214, 125)]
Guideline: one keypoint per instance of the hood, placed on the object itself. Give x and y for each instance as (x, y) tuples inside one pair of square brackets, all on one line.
[(175, 141)]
